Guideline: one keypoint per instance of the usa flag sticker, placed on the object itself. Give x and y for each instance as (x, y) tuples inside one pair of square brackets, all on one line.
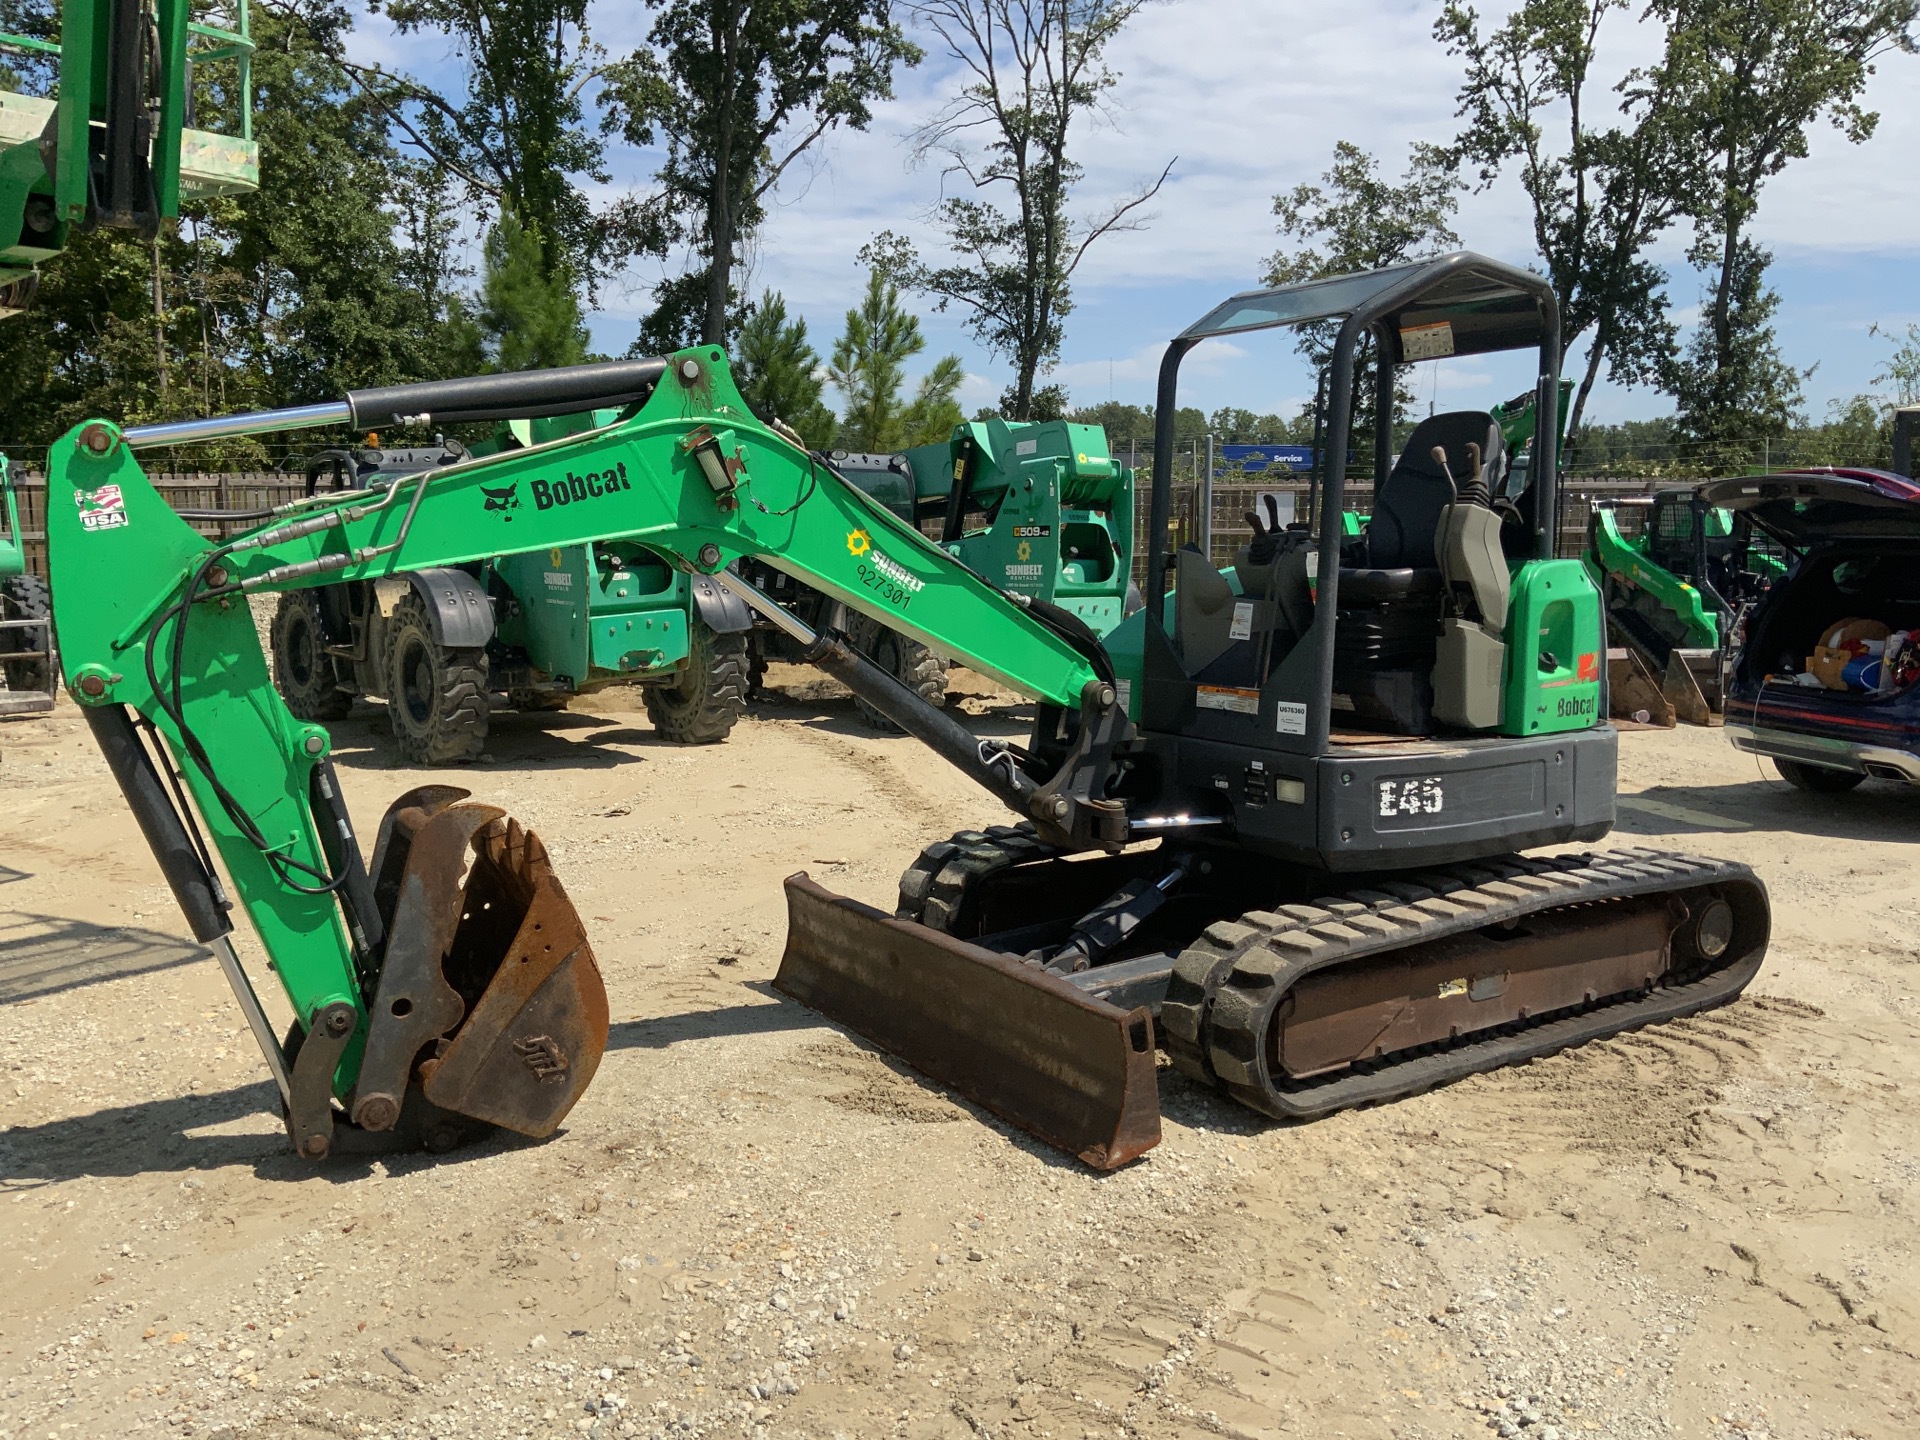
[(102, 509)]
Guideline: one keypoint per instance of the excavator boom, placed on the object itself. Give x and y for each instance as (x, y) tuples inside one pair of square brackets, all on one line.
[(391, 965)]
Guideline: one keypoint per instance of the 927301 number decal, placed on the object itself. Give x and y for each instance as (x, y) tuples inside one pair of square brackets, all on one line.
[(889, 590), (1421, 795)]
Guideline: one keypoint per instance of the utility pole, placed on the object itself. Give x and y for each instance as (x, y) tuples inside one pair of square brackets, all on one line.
[(1206, 504), (1906, 423)]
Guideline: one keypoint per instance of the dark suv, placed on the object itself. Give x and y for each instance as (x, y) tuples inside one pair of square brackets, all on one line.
[(1831, 715)]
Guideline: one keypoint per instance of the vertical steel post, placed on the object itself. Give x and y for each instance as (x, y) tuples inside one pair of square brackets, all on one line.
[(1206, 504)]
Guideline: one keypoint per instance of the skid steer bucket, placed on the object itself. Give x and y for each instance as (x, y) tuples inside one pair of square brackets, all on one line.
[(1074, 1071), (489, 999)]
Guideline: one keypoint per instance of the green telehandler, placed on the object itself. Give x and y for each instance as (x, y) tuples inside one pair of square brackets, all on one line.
[(1041, 509), (108, 147), (1307, 913), (447, 646), (26, 619), (111, 146)]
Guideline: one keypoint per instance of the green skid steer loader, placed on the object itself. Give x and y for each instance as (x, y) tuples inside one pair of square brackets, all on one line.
[(447, 646), (1041, 509)]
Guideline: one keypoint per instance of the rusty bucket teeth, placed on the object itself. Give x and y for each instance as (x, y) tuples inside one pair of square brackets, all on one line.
[(493, 981)]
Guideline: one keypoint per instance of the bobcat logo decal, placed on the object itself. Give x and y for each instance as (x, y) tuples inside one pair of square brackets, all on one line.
[(502, 500)]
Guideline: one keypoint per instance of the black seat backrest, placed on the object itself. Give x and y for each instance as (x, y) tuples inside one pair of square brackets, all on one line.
[(1406, 509)]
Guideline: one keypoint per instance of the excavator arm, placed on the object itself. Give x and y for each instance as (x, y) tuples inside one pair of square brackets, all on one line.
[(421, 1004)]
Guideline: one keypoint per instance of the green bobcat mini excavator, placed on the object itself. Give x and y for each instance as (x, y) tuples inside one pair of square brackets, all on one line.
[(1308, 912)]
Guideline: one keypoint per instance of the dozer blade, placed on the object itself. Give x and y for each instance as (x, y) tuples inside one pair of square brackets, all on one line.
[(1074, 1071)]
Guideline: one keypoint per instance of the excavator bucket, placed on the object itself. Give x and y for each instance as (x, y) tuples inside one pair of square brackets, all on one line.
[(1074, 1071), (489, 998)]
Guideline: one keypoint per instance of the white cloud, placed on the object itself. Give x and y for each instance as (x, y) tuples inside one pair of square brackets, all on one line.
[(1252, 95)]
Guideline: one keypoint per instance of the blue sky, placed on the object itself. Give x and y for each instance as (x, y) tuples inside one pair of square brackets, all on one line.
[(1251, 96)]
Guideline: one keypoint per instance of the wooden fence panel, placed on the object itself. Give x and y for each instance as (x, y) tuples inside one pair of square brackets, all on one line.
[(238, 493)]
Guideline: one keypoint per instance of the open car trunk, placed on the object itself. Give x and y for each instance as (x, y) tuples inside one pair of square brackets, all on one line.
[(1845, 626)]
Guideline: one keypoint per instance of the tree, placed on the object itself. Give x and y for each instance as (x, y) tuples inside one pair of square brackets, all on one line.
[(869, 368), (529, 319), (1751, 78), (1614, 183), (779, 373), (738, 90), (1903, 366), (1034, 65), (518, 137), (1731, 385), (1358, 220)]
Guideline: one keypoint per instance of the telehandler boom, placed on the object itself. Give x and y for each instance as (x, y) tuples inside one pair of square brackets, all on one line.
[(1185, 799)]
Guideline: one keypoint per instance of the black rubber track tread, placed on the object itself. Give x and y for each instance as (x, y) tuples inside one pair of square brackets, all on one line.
[(320, 698), (1228, 984), (27, 598), (935, 889), (456, 733), (708, 697), (914, 666)]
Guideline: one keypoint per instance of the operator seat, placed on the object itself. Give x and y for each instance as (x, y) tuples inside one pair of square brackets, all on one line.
[(1391, 604)]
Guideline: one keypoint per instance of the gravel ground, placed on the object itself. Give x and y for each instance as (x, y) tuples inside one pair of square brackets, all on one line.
[(755, 1226)]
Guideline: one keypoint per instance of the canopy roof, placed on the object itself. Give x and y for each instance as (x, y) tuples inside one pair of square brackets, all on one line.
[(1458, 304)]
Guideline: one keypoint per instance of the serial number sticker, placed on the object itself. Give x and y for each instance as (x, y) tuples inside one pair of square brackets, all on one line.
[(1290, 718), (1242, 626), (1423, 795), (1222, 697), (1123, 695)]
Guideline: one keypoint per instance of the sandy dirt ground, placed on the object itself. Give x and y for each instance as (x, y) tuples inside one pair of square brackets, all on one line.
[(754, 1226)]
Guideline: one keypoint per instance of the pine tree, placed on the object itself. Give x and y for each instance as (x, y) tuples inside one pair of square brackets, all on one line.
[(869, 369), (779, 371), (529, 319)]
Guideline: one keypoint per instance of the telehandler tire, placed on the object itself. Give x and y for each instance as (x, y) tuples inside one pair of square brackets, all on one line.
[(302, 669), (25, 597), (908, 661), (437, 697), (702, 703)]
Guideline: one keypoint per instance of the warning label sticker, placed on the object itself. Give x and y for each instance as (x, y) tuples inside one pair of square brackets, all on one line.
[(1221, 697), (1426, 342), (1242, 626)]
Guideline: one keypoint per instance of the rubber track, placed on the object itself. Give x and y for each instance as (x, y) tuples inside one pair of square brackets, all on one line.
[(934, 889), (1227, 986)]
